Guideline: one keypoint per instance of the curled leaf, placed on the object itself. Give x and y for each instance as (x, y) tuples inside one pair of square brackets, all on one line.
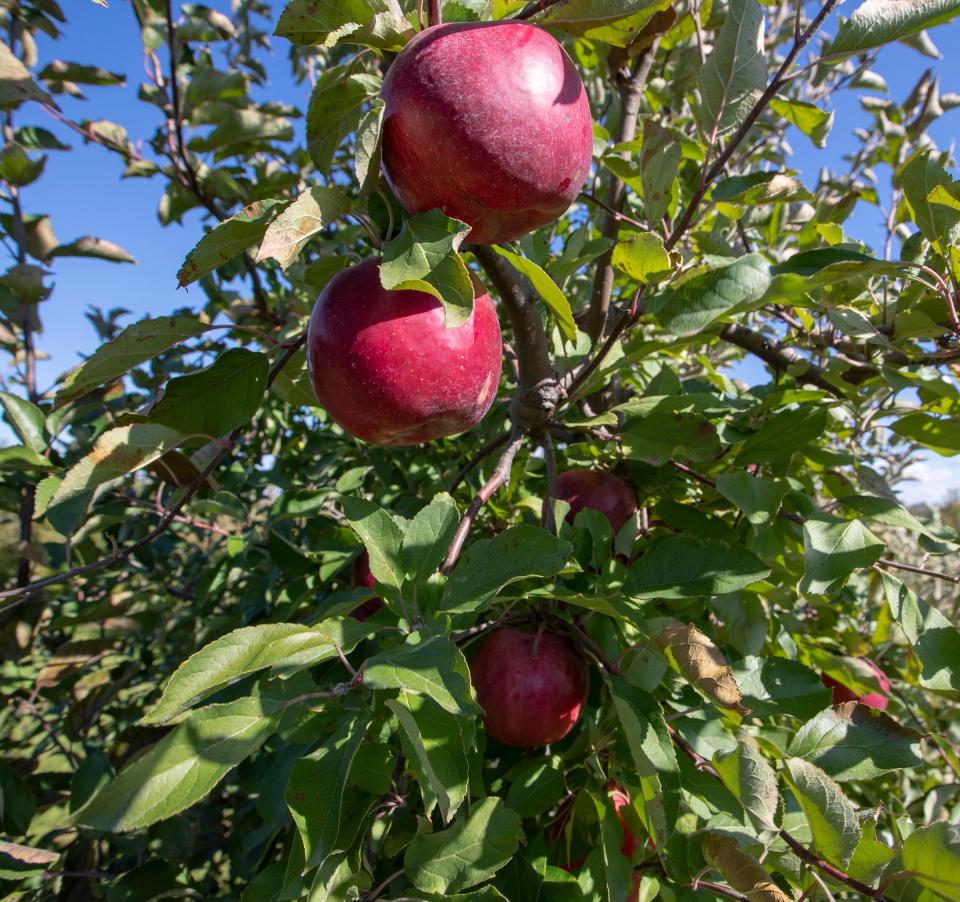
[(741, 870)]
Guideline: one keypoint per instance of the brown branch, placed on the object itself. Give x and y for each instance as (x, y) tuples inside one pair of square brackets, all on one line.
[(548, 513), (435, 12), (830, 869), (483, 452), (922, 571)]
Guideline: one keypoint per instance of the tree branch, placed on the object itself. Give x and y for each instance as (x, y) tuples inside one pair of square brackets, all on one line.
[(532, 9), (435, 12)]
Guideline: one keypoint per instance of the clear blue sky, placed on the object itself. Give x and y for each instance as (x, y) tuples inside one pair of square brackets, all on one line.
[(83, 193)]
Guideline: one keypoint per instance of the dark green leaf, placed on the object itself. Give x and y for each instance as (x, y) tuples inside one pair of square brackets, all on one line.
[(778, 686), (932, 855), (833, 549)]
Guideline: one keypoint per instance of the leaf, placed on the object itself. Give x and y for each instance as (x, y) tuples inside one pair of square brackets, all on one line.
[(940, 434), (307, 216), (216, 400), (809, 118), (552, 296), (536, 786), (60, 71), (704, 299), (314, 792), (381, 536), (16, 85), (436, 744), (878, 22), (918, 177), (735, 73), (889, 513), (779, 686), (831, 815), (133, 346), (18, 862), (181, 768), (613, 21), (741, 870), (932, 856), (375, 23), (659, 164), (643, 257), (423, 257), (366, 157), (427, 537), (833, 549), (334, 111), (751, 779), (854, 742), (245, 651), (490, 564), (759, 498), (781, 435), (26, 419), (434, 667), (18, 168), (761, 188), (229, 239), (693, 654), (681, 566), (469, 852), (658, 429), (117, 452), (871, 857), (97, 248)]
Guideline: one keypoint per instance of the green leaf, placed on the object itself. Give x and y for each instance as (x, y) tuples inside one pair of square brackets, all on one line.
[(704, 299), (216, 400), (552, 296), (939, 433), (490, 564), (229, 239), (779, 686), (918, 178), (682, 566), (375, 23), (95, 248), (832, 817), (306, 217), (247, 650), (833, 549), (314, 792), (783, 434), (116, 453), (382, 537), (751, 779), (809, 118), (428, 536), (469, 852), (26, 419), (335, 109), (878, 22), (744, 620), (366, 157), (651, 750), (759, 498), (854, 742), (423, 257), (536, 786), (871, 857), (735, 73), (181, 768), (889, 513), (613, 21), (434, 667), (761, 188), (659, 164), (16, 85), (932, 856), (436, 744), (60, 71), (17, 168), (643, 257), (657, 429)]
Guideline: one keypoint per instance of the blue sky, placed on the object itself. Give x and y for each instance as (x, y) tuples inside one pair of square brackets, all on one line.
[(83, 193)]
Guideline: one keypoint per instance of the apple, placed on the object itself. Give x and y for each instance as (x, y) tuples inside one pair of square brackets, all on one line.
[(843, 693), (620, 799), (599, 491), (489, 122), (361, 577), (531, 688), (385, 367)]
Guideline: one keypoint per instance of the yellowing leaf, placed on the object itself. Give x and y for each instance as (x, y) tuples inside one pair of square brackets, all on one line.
[(741, 870), (308, 215)]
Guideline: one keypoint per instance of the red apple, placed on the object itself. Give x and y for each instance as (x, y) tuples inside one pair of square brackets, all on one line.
[(489, 122), (530, 688), (599, 491), (360, 576), (843, 693), (385, 367)]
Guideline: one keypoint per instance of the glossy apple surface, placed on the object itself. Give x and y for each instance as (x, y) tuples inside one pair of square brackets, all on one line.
[(600, 491), (361, 577), (387, 370), (843, 693), (530, 695), (489, 122)]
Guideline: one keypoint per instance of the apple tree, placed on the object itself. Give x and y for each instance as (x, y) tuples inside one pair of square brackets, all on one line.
[(446, 544)]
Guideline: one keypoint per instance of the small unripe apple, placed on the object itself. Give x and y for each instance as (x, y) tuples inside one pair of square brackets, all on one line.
[(361, 577), (600, 491), (386, 368), (531, 688), (489, 122), (843, 693)]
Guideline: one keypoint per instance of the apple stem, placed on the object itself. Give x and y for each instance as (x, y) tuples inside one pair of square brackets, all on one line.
[(435, 12)]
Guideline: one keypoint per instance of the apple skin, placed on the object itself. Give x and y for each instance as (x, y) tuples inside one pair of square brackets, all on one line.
[(528, 699), (600, 491), (841, 693), (387, 370), (489, 122), (361, 577)]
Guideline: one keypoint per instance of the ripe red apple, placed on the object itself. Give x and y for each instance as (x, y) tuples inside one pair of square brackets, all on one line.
[(600, 491), (386, 369), (360, 576), (843, 693), (530, 688), (489, 122)]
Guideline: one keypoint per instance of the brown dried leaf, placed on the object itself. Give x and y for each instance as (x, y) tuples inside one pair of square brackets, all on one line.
[(741, 870)]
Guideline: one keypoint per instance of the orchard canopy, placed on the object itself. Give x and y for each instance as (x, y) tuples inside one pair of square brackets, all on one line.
[(515, 507)]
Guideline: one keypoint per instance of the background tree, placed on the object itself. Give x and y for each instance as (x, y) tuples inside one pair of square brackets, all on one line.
[(190, 709)]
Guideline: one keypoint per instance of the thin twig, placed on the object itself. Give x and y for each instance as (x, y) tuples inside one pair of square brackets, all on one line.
[(532, 9), (481, 454), (548, 511), (435, 12)]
